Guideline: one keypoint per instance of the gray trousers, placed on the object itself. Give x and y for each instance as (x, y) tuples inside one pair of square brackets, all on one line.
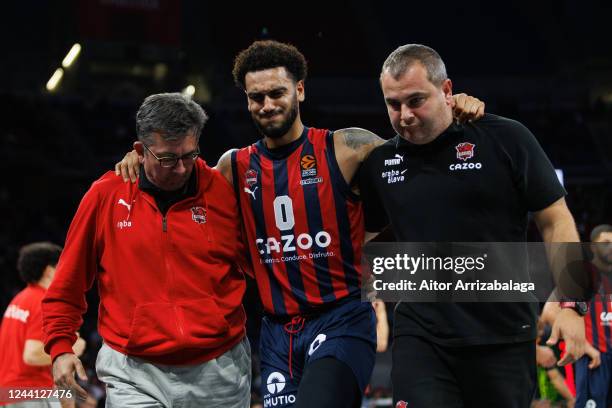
[(224, 382)]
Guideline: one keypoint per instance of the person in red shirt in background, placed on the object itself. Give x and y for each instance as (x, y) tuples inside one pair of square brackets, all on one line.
[(23, 361)]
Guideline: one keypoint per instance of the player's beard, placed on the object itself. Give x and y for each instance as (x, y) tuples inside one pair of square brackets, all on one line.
[(278, 131)]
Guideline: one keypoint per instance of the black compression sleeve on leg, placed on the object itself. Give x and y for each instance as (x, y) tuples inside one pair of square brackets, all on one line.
[(328, 383)]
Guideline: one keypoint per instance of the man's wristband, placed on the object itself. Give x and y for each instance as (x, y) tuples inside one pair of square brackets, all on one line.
[(582, 308)]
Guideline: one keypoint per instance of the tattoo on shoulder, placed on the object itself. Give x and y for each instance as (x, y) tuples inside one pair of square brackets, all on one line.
[(356, 138)]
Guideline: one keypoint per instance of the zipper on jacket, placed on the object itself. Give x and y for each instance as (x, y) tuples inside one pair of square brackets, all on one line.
[(164, 224)]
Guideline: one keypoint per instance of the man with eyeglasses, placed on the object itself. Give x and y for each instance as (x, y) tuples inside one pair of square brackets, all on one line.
[(165, 252)]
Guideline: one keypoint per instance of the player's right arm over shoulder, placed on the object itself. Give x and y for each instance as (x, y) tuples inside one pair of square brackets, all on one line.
[(224, 165), (129, 167)]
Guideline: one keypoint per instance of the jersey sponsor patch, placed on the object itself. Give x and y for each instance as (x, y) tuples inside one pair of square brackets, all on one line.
[(394, 176), (275, 384), (465, 166)]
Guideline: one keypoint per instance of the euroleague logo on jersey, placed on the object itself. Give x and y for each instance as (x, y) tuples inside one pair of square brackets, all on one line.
[(308, 164), (465, 152)]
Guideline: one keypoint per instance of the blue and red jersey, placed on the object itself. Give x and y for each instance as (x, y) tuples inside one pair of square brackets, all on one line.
[(304, 226), (598, 322)]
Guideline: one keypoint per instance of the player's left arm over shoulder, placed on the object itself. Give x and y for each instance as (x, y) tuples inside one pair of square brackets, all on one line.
[(355, 143), (351, 147)]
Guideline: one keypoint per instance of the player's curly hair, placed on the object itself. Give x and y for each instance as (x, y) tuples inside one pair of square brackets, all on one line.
[(269, 54), (34, 258)]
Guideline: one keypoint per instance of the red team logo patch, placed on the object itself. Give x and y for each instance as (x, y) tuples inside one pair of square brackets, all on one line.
[(250, 177), (198, 214), (465, 150)]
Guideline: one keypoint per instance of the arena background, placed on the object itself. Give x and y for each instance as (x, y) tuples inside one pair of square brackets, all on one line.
[(547, 64)]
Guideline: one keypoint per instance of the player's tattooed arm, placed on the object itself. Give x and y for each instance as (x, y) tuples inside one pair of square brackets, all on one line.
[(356, 142), (224, 165), (352, 146)]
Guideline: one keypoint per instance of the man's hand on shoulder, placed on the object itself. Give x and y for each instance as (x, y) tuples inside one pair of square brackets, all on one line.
[(467, 108), (129, 167)]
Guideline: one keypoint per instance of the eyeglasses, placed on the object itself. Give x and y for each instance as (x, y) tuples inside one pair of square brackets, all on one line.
[(171, 161)]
